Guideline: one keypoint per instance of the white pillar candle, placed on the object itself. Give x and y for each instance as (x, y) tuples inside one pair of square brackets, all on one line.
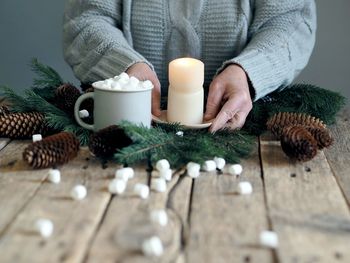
[(186, 94)]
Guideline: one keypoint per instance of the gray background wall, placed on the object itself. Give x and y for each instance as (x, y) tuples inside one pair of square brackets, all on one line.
[(33, 29)]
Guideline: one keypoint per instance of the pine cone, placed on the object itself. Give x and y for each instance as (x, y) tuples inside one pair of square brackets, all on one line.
[(4, 110), (298, 143), (283, 119), (22, 125), (85, 86), (53, 150), (322, 136), (107, 141), (65, 97)]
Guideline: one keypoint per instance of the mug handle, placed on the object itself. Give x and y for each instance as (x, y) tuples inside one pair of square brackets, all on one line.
[(76, 110)]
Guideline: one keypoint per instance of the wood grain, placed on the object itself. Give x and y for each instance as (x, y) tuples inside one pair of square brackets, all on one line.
[(338, 155), (306, 208), (75, 221), (224, 226)]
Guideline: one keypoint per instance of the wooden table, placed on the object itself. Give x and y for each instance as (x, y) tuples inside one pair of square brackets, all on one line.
[(306, 204)]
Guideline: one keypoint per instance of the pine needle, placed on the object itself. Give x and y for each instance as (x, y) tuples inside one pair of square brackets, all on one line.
[(47, 76)]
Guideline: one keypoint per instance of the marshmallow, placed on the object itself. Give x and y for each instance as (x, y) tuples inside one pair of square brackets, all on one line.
[(209, 166), (141, 190), (37, 137), (220, 162), (124, 76), (98, 84), (133, 82), (159, 217), (245, 188), (124, 173), (116, 85), (44, 227), (83, 114), (152, 247), (147, 84), (193, 169), (159, 185), (269, 239), (78, 192), (235, 169), (54, 176), (180, 133), (117, 186), (162, 164), (167, 174)]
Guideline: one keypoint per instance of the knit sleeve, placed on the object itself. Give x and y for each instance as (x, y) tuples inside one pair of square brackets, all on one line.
[(93, 41), (281, 39)]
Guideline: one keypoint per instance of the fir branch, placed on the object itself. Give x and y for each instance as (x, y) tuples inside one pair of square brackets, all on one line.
[(196, 145), (17, 102), (47, 76)]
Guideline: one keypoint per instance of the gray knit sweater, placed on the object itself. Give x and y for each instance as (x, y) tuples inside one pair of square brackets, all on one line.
[(270, 39)]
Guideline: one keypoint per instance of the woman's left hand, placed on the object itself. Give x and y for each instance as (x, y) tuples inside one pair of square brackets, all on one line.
[(229, 100)]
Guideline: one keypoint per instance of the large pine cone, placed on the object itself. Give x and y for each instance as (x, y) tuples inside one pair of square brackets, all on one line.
[(22, 125), (107, 141), (279, 121), (53, 150), (298, 143), (65, 97)]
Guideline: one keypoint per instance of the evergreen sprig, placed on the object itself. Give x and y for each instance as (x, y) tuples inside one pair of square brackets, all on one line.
[(195, 145), (47, 79), (17, 102)]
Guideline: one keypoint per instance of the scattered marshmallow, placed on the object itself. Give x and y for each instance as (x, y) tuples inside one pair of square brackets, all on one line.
[(152, 247), (83, 114), (167, 174), (235, 169), (141, 190), (193, 169), (123, 82), (158, 184), (269, 239), (162, 164), (180, 133), (78, 192), (44, 227), (117, 186), (245, 188), (159, 217), (124, 173), (209, 166), (54, 176), (220, 162), (37, 137)]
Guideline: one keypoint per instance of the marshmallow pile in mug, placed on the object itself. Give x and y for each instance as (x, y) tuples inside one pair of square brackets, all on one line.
[(123, 82)]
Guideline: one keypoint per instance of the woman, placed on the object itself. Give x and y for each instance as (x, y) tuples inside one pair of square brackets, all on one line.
[(250, 47)]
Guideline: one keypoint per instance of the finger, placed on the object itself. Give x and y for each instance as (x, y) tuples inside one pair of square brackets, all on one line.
[(156, 99), (227, 112), (237, 121), (214, 101)]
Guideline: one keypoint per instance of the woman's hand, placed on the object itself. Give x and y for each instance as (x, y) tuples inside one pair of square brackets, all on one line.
[(229, 100), (143, 72)]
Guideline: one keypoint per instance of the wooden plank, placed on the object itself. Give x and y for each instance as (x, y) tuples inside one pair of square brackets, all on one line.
[(224, 226), (338, 155), (11, 157), (16, 189), (120, 235), (306, 208), (75, 221), (4, 142)]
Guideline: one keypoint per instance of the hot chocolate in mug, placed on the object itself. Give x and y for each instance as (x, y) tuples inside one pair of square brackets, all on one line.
[(112, 106)]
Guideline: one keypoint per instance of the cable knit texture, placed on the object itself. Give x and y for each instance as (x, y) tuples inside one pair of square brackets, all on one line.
[(271, 40)]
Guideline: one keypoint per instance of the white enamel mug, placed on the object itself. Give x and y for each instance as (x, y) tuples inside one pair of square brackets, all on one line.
[(113, 106)]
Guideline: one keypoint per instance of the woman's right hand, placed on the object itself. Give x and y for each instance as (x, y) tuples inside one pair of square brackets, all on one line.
[(143, 72)]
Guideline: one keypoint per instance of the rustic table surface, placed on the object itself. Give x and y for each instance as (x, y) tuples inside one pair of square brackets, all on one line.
[(306, 204)]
